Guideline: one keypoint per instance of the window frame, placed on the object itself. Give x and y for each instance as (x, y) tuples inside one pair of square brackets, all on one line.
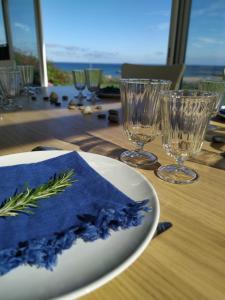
[(179, 26)]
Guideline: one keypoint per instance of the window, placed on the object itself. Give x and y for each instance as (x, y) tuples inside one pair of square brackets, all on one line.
[(4, 49), (104, 34), (205, 56), (22, 22)]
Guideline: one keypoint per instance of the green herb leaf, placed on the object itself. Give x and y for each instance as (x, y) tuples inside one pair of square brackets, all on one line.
[(22, 202)]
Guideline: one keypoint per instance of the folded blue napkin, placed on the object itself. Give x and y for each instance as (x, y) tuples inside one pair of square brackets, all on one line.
[(88, 209)]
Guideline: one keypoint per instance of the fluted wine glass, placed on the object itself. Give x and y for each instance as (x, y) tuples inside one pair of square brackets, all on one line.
[(27, 77), (141, 117), (93, 78), (10, 82), (185, 115), (217, 86), (79, 80)]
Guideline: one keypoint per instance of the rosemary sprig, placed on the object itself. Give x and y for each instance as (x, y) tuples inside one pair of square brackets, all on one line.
[(21, 202)]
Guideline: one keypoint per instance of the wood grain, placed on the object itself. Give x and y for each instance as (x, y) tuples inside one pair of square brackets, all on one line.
[(187, 261)]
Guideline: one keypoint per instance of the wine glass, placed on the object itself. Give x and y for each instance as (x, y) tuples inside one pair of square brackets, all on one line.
[(93, 78), (185, 115), (217, 86), (9, 86), (27, 77), (79, 80), (141, 117)]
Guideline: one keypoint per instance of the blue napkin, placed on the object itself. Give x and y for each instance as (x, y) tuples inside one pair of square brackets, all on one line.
[(88, 209)]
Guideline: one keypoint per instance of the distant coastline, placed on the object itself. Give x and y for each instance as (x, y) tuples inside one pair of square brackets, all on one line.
[(192, 72), (113, 70)]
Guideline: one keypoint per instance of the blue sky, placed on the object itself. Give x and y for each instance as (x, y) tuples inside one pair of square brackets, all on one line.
[(118, 31), (206, 43), (106, 30)]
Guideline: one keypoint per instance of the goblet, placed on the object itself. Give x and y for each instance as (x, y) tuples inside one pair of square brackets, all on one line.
[(27, 77), (217, 86), (79, 80), (185, 115), (93, 78), (141, 117), (9, 87)]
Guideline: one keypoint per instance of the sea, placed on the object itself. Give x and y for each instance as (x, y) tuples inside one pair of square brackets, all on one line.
[(114, 70)]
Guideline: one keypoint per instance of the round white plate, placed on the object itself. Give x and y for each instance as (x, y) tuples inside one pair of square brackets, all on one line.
[(86, 266)]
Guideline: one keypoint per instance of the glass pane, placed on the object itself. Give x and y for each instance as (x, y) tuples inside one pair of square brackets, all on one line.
[(4, 52), (3, 41), (22, 21), (205, 56), (104, 34)]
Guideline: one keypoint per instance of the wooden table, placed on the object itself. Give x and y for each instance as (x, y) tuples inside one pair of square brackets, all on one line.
[(187, 261)]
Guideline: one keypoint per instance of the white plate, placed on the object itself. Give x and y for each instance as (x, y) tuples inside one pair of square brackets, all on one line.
[(86, 266)]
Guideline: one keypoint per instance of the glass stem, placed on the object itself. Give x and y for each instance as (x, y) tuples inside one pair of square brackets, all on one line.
[(93, 98), (28, 92), (139, 147), (180, 162), (79, 95)]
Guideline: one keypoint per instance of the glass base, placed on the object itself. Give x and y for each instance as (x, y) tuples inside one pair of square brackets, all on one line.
[(176, 174), (93, 98), (138, 158), (211, 127), (10, 105)]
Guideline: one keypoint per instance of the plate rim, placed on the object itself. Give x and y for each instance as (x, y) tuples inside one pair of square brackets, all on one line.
[(128, 261)]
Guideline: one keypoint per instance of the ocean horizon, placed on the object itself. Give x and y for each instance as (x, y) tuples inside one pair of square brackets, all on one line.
[(114, 69)]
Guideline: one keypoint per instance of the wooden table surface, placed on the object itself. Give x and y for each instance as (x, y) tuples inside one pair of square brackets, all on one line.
[(185, 262)]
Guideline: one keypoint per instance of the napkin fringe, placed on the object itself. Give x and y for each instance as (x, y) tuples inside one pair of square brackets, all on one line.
[(44, 252)]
